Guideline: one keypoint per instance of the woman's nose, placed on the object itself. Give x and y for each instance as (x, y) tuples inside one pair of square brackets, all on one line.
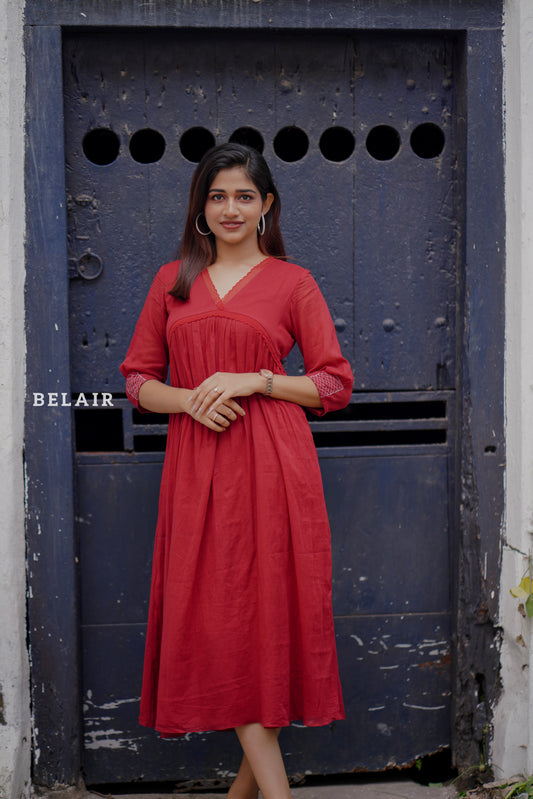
[(231, 207)]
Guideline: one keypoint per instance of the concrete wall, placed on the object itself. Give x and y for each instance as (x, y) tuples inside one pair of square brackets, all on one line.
[(512, 750), (14, 677)]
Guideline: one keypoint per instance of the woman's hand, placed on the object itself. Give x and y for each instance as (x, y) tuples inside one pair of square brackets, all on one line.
[(216, 394), (159, 398), (218, 419)]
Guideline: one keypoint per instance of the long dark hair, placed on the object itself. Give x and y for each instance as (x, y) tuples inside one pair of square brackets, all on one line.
[(198, 251)]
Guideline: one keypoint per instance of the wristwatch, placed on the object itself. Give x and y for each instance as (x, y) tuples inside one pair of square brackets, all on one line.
[(269, 380)]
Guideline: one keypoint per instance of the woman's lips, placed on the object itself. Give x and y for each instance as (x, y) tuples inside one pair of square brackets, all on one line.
[(231, 225)]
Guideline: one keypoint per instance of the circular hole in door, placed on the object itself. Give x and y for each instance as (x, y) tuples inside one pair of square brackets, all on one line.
[(383, 142), (427, 140), (195, 142), (248, 136), (147, 146), (101, 146), (291, 143), (337, 144)]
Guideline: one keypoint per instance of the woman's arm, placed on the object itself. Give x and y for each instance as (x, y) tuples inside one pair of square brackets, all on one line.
[(313, 329), (301, 390), (159, 398), (221, 386)]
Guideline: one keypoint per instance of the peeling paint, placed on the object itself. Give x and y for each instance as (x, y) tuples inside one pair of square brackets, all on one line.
[(385, 729), (118, 702), (99, 732), (109, 739), (426, 643)]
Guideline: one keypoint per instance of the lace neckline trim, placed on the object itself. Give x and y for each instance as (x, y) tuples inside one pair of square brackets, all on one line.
[(240, 284)]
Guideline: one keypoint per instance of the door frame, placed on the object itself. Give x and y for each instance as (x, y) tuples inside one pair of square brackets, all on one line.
[(52, 571)]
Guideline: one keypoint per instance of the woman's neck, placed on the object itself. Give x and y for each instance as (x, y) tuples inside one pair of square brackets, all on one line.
[(235, 255)]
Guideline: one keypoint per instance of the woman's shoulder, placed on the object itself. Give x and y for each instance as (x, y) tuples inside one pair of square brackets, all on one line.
[(297, 280), (288, 270), (167, 274)]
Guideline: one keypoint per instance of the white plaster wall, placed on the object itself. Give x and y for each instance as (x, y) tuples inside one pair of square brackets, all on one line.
[(14, 679), (512, 751)]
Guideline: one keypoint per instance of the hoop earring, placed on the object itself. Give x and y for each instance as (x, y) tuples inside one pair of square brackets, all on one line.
[(198, 228), (262, 225)]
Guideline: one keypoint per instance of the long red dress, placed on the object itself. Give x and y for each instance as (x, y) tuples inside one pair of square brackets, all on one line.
[(240, 624)]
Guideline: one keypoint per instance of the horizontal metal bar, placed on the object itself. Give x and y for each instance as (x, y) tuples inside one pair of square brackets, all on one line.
[(413, 450), (149, 429), (140, 624), (269, 14), (399, 613), (400, 396), (330, 427), (379, 424), (95, 458)]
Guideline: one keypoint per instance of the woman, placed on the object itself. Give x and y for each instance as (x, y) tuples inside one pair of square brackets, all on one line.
[(240, 631)]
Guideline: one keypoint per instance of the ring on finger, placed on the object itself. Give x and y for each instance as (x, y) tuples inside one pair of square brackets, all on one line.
[(217, 390)]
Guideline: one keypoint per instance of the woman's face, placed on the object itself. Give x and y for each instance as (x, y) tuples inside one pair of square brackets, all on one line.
[(234, 206)]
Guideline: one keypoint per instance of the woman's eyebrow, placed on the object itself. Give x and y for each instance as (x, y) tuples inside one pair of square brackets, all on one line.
[(223, 191)]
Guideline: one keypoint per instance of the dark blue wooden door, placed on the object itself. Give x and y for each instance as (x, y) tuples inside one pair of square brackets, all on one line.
[(361, 135)]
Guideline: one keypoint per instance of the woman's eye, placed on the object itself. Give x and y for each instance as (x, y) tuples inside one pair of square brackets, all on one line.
[(216, 197), (246, 197)]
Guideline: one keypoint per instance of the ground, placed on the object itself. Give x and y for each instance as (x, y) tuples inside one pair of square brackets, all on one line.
[(374, 787), (500, 790)]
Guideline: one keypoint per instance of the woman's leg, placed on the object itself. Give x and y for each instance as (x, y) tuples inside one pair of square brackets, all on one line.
[(244, 785), (264, 760)]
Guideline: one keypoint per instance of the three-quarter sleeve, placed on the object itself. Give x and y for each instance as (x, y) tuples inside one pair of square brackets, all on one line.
[(147, 356), (315, 334)]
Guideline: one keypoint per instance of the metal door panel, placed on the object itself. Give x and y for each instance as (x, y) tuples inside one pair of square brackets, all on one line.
[(405, 219), (111, 656), (397, 673), (117, 510), (388, 515), (395, 670), (399, 231), (393, 643), (133, 246), (117, 748), (101, 219), (314, 92), (379, 236)]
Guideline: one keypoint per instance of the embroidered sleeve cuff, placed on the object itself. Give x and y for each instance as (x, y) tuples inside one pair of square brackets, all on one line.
[(326, 384), (133, 383)]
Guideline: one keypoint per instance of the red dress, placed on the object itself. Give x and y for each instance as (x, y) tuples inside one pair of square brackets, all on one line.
[(240, 625)]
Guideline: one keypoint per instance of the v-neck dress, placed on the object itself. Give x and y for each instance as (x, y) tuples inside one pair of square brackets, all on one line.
[(240, 625)]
